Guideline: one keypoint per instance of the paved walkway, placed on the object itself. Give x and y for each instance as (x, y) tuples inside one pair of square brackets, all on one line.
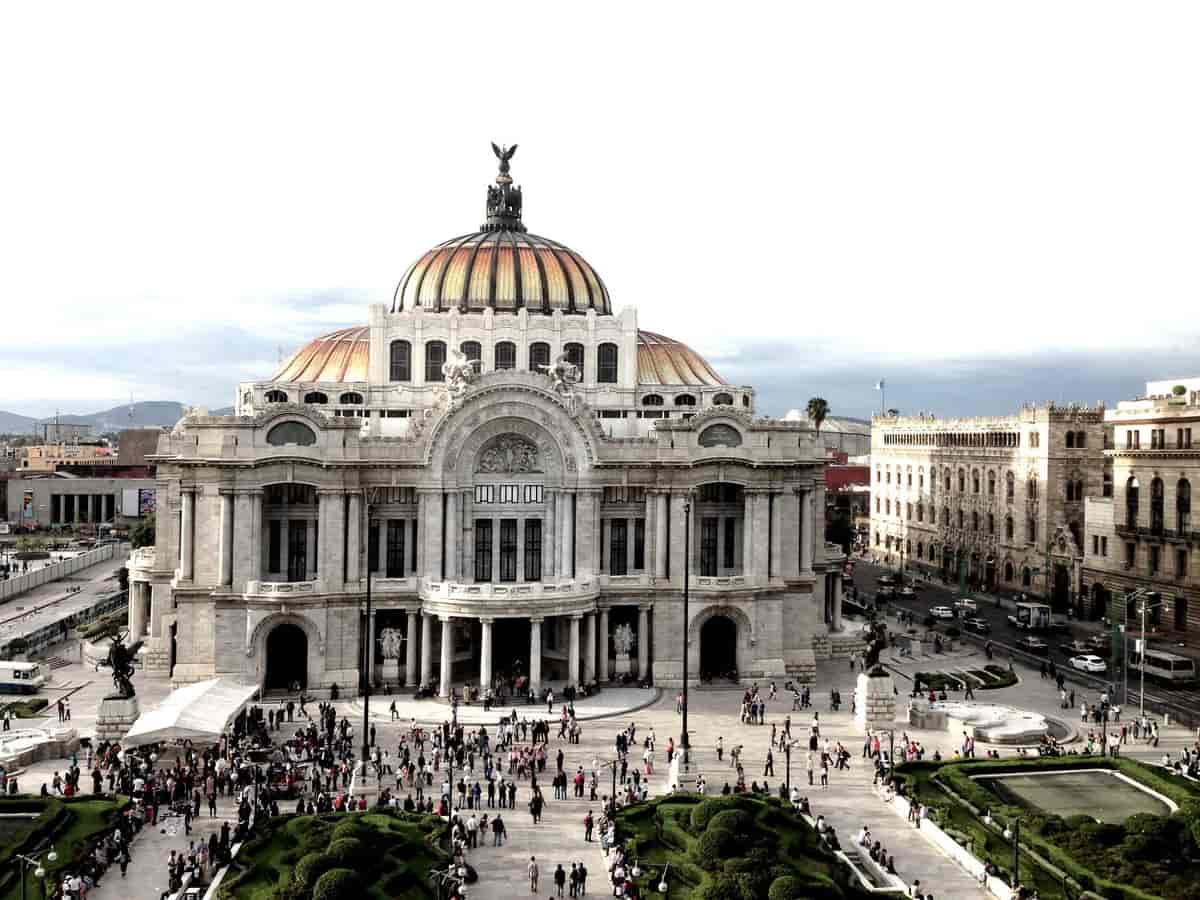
[(612, 701)]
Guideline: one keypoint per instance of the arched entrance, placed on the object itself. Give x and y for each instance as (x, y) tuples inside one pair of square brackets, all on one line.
[(718, 648), (1100, 599), (1062, 587), (287, 658)]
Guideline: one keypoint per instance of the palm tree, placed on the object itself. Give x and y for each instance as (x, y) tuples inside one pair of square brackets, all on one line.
[(818, 411)]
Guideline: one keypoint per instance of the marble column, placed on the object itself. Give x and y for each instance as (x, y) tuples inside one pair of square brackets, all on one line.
[(603, 673), (662, 552), (225, 550), (807, 534), (573, 651), (549, 539), (447, 657), (426, 648), (333, 524), (137, 609), (186, 535), (453, 528), (535, 655), (837, 601), (568, 534), (643, 642), (485, 654), (353, 541), (410, 649), (678, 553), (310, 550), (748, 501), (589, 648), (776, 534)]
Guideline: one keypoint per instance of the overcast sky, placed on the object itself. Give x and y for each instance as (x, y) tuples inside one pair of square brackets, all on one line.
[(979, 203)]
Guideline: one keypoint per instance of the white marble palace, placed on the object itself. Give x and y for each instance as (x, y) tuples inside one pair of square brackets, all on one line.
[(518, 476)]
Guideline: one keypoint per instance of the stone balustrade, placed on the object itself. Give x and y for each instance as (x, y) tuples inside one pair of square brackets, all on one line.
[(448, 598), (284, 588)]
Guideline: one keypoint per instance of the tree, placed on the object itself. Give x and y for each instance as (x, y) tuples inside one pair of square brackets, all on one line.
[(818, 411), (142, 534)]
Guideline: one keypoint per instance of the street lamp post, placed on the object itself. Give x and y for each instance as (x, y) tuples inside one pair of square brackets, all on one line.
[(366, 747), (1146, 595), (33, 862), (684, 744), (1014, 835)]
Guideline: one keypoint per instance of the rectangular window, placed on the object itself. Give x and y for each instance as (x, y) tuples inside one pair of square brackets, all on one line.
[(1137, 440), (483, 550), (510, 493), (708, 546), (1104, 546), (414, 545), (639, 544), (395, 549), (435, 358), (533, 493), (1129, 439), (1095, 545), (485, 493), (508, 550), (1180, 563), (1130, 555), (297, 550), (617, 543), (1181, 611), (533, 549), (729, 551), (373, 547), (273, 546), (1155, 554)]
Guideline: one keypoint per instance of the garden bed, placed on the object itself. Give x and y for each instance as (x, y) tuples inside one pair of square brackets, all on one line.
[(388, 855), (1146, 856), (26, 709), (737, 847)]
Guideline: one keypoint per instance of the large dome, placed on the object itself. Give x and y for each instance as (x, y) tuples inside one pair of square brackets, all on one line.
[(502, 266)]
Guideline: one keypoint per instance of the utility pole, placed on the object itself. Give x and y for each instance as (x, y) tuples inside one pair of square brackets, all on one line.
[(684, 744)]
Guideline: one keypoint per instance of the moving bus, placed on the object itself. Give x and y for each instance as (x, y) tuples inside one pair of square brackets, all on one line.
[(1164, 667), (21, 677)]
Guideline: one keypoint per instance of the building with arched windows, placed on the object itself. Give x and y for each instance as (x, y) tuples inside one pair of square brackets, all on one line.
[(522, 477)]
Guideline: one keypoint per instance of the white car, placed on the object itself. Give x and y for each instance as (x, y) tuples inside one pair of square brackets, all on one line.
[(942, 612), (1088, 663), (966, 604)]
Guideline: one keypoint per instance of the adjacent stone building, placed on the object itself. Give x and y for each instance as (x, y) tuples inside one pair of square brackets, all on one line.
[(518, 475), (1140, 531), (997, 498)]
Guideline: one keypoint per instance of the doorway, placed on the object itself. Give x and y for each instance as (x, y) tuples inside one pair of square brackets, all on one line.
[(287, 658), (718, 648)]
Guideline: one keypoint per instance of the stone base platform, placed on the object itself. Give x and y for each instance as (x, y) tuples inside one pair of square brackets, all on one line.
[(117, 715)]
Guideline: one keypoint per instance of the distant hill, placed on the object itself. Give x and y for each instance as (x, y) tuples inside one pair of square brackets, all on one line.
[(145, 414)]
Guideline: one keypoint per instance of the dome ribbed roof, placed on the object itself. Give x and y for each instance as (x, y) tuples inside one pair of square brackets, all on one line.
[(664, 360), (503, 269), (335, 357)]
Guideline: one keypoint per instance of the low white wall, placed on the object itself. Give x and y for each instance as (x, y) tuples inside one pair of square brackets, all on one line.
[(21, 583)]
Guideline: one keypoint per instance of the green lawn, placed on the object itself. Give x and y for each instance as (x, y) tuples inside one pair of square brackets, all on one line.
[(1100, 795), (71, 826), (1132, 857), (390, 851), (732, 848)]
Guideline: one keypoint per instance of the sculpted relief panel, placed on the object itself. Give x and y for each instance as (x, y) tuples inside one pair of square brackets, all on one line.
[(509, 453)]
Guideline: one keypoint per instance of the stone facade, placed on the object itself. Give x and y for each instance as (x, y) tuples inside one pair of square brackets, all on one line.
[(506, 519), (1002, 497)]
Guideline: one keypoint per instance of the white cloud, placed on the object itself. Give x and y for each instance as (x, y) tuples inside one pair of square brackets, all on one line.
[(899, 181)]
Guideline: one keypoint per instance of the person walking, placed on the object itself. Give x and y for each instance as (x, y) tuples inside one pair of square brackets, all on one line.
[(532, 869), (498, 831), (588, 824), (560, 880), (769, 766)]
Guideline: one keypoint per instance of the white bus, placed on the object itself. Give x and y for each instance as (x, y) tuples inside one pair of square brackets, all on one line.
[(1164, 667), (21, 677)]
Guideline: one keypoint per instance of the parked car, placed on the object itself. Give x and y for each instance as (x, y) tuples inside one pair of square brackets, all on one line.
[(1099, 644), (1075, 648), (908, 591), (977, 625), (888, 580), (966, 604), (1033, 645), (1059, 626), (1088, 663), (942, 612)]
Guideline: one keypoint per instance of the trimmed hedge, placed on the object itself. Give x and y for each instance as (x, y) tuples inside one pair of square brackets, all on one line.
[(27, 709), (339, 884)]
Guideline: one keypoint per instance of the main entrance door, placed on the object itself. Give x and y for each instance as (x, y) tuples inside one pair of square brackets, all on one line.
[(1062, 587), (718, 648), (510, 649), (287, 658)]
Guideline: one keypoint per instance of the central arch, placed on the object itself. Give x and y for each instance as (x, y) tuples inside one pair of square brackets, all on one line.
[(718, 647), (287, 657)]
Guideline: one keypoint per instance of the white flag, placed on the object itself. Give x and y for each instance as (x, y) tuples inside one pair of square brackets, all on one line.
[(879, 385)]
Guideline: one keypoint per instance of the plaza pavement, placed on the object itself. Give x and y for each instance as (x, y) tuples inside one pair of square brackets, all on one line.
[(848, 803)]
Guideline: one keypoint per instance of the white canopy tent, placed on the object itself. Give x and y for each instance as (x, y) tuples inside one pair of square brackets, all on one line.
[(200, 712)]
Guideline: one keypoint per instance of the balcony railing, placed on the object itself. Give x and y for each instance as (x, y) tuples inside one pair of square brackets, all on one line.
[(284, 588), (508, 593)]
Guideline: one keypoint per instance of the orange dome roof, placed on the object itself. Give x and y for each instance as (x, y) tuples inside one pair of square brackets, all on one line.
[(664, 360)]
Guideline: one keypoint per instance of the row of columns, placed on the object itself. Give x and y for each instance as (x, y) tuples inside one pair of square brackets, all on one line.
[(74, 508), (139, 609)]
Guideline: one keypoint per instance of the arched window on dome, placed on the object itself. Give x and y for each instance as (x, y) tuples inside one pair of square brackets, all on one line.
[(685, 400), (316, 398), (539, 355), (351, 398), (606, 364), (275, 396), (723, 400), (400, 360), (506, 355), (435, 358), (574, 354), (652, 400), (745, 399)]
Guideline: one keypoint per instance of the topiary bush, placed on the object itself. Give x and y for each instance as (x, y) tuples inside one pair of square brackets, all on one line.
[(734, 820), (713, 847), (347, 851), (709, 808), (311, 867), (789, 887), (339, 884)]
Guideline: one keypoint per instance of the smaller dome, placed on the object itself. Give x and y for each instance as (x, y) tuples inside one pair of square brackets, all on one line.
[(666, 361), (339, 356)]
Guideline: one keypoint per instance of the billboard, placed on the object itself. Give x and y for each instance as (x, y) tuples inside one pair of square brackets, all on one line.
[(27, 505), (146, 504)]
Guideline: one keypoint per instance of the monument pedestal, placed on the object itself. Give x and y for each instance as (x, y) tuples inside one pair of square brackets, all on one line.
[(682, 775), (874, 702), (621, 664), (391, 671), (117, 715)]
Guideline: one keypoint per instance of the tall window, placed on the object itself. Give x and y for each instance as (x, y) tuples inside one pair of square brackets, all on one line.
[(639, 544), (508, 549), (947, 481), (394, 564), (1009, 484), (617, 547), (297, 550), (708, 546), (974, 482), (1183, 506), (273, 546), (1031, 530), (729, 550), (1070, 490), (401, 361), (1008, 528), (574, 353), (539, 355), (1181, 611), (1131, 503), (1156, 506), (533, 549), (991, 484), (373, 547), (472, 350), (506, 355), (435, 358), (606, 364), (961, 519), (991, 520), (483, 550), (962, 481)]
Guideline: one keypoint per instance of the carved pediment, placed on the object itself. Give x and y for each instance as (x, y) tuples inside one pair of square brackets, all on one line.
[(509, 453)]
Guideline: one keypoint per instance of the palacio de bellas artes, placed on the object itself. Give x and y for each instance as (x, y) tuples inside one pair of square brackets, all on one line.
[(514, 469)]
